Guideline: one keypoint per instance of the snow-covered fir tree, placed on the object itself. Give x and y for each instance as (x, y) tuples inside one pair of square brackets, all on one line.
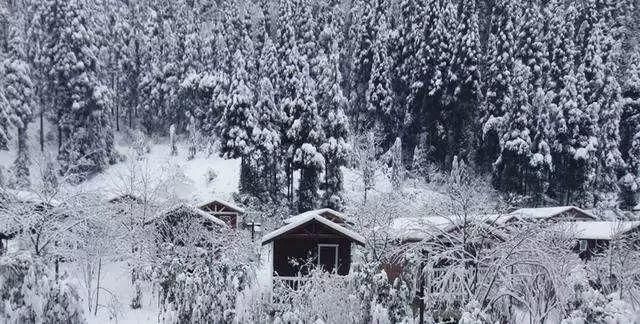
[(86, 136), (20, 92), (513, 164), (332, 105)]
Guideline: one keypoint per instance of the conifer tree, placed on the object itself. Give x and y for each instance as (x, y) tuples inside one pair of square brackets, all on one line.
[(463, 82), (500, 59), (332, 106), (4, 122), (85, 132), (513, 164), (19, 93)]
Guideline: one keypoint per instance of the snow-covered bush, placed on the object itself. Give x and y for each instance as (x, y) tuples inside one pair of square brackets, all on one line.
[(201, 273), (319, 297), (32, 293), (211, 175)]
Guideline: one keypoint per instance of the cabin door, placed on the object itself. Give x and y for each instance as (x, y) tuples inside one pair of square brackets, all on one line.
[(328, 257)]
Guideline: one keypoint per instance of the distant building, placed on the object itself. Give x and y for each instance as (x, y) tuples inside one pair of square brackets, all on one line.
[(183, 223), (225, 211), (595, 237)]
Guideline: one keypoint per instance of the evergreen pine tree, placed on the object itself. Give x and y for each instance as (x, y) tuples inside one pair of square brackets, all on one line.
[(332, 106), (500, 60), (19, 93), (512, 166), (85, 132), (463, 83)]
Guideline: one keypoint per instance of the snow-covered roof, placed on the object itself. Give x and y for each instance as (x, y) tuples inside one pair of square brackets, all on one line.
[(421, 228), (303, 219), (23, 196), (123, 197), (319, 212), (548, 212), (600, 230), (222, 202), (188, 209)]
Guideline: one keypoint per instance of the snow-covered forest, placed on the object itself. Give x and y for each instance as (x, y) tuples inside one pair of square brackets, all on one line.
[(415, 121)]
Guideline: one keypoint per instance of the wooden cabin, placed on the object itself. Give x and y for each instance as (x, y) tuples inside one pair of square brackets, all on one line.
[(182, 224), (226, 211), (594, 238), (552, 214), (319, 238)]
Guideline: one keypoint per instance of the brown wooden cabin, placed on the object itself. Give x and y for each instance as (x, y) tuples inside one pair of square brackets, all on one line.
[(227, 212), (319, 238)]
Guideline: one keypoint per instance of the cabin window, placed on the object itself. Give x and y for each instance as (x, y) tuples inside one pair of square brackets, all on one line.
[(583, 245), (328, 257)]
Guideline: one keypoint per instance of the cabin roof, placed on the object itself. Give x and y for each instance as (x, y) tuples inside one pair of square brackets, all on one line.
[(22, 196), (128, 197), (182, 207), (224, 203), (600, 230), (303, 219), (319, 212), (548, 212), (421, 228)]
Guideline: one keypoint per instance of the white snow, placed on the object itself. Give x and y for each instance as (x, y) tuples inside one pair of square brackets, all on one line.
[(222, 202), (548, 212), (181, 207), (600, 230), (307, 218), (319, 212), (421, 228)]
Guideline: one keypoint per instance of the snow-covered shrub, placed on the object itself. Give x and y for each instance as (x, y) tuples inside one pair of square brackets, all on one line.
[(31, 293), (319, 296), (211, 175), (140, 143), (201, 272), (473, 314), (173, 140)]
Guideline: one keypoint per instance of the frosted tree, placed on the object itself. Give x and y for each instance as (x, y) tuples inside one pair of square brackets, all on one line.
[(500, 60), (512, 166), (19, 91), (542, 135), (630, 131), (304, 135), (4, 122), (393, 158), (332, 105), (531, 48), (367, 33), (237, 125), (462, 83), (85, 133), (382, 111), (602, 94), (365, 158)]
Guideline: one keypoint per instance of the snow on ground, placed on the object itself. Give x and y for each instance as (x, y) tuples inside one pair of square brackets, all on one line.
[(192, 188), (115, 295)]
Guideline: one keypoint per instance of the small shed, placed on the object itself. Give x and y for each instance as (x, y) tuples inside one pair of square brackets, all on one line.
[(226, 211), (312, 239)]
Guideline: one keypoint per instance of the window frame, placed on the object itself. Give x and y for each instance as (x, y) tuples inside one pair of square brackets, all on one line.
[(583, 245), (329, 245)]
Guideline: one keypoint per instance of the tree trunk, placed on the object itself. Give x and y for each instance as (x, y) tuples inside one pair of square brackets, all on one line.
[(95, 309)]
